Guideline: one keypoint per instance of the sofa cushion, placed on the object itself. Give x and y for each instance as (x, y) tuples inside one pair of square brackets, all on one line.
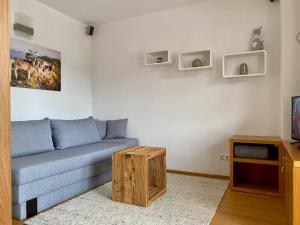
[(31, 137), (101, 126), (116, 128), (25, 192), (58, 196), (34, 167), (73, 133), (128, 142)]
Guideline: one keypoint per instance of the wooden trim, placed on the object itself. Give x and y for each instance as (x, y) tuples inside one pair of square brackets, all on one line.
[(256, 139), (195, 174), (293, 151), (281, 170), (256, 191), (296, 195), (257, 161), (5, 164), (231, 164)]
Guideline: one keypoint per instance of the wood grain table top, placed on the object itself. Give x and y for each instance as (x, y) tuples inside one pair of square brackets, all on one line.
[(256, 139), (148, 152)]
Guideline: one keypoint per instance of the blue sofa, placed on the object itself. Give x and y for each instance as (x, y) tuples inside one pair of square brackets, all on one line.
[(55, 160)]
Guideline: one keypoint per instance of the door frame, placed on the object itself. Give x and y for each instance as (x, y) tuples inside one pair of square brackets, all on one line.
[(5, 153)]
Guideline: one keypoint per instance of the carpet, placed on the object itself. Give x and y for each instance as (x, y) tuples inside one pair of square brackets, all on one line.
[(188, 201)]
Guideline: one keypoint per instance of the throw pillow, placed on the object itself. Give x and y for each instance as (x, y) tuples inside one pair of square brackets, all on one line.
[(31, 137), (73, 133), (101, 126), (116, 129)]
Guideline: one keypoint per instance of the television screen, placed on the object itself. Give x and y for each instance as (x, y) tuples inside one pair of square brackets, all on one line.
[(296, 118)]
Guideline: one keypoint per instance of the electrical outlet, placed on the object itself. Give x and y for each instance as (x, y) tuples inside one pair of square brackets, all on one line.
[(224, 157)]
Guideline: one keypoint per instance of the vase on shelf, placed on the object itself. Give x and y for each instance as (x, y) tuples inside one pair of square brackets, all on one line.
[(243, 69), (197, 63), (159, 60)]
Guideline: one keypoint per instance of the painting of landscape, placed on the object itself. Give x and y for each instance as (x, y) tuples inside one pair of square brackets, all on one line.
[(34, 67)]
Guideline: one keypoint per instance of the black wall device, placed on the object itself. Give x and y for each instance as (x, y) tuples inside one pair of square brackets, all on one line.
[(90, 30), (23, 28)]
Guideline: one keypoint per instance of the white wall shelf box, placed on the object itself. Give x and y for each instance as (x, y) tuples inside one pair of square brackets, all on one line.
[(256, 61), (151, 58), (186, 60)]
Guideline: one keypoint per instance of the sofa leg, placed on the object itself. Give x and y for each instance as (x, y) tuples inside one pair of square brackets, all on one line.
[(31, 208)]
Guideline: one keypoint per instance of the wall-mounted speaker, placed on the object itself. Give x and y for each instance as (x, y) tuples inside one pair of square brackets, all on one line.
[(90, 30), (23, 24), (23, 28)]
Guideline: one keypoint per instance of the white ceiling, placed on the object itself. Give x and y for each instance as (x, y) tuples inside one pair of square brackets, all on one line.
[(100, 11)]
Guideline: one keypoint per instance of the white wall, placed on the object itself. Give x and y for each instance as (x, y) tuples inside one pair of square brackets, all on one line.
[(191, 113), (290, 55), (59, 32)]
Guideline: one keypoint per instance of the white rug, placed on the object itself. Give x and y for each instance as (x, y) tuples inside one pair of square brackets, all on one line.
[(188, 201)]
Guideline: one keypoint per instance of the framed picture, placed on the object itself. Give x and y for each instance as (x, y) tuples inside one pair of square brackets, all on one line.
[(33, 66)]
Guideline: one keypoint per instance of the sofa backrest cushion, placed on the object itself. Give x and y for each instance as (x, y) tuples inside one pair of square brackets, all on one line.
[(31, 137), (73, 133), (101, 126), (116, 129)]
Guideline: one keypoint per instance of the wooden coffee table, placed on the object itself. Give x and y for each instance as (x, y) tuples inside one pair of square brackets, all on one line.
[(139, 175)]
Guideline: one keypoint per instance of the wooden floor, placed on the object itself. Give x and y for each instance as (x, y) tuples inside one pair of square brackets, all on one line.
[(15, 222), (237, 208)]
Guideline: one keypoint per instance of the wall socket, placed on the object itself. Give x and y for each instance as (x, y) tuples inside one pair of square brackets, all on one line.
[(224, 157)]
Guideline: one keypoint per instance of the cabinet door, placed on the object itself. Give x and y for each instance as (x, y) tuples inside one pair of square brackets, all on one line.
[(289, 188)]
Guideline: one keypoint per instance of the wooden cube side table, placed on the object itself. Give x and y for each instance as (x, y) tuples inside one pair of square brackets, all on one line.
[(139, 175)]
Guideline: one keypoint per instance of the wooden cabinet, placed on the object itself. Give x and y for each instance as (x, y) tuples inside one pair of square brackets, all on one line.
[(291, 168), (259, 176), (279, 177)]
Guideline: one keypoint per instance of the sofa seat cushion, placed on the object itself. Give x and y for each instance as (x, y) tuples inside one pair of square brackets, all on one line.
[(34, 167), (25, 192), (128, 142)]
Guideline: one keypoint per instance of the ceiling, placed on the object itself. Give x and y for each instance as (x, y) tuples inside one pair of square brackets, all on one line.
[(101, 11)]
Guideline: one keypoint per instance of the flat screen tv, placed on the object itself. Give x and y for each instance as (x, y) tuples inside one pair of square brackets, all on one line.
[(296, 118)]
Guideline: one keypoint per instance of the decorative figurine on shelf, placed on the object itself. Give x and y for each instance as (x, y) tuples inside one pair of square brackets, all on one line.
[(243, 69), (197, 63), (257, 41), (159, 60)]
